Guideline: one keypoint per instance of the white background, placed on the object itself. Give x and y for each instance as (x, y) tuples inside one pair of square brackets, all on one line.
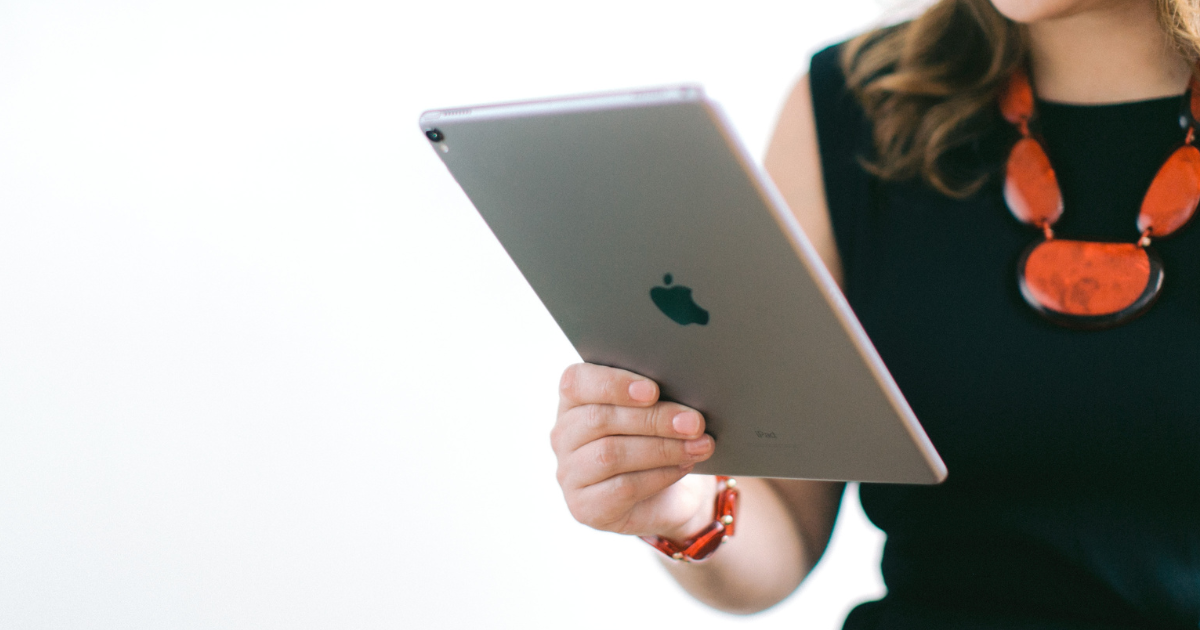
[(261, 364)]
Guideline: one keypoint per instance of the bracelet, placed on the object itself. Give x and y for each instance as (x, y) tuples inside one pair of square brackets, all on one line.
[(702, 545)]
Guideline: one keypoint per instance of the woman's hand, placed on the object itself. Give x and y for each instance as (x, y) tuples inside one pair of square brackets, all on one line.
[(623, 456), (623, 463)]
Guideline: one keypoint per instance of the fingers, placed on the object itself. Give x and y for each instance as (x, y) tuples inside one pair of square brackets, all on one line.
[(607, 457), (622, 452), (579, 425), (614, 504), (587, 383)]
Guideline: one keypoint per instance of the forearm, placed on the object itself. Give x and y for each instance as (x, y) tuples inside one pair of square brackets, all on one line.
[(780, 536)]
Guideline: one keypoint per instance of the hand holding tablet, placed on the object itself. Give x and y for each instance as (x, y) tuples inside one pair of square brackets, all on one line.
[(619, 447)]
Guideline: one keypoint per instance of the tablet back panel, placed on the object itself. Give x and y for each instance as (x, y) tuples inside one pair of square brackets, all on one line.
[(599, 199)]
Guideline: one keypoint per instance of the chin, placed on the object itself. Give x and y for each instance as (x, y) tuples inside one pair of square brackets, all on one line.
[(1029, 11)]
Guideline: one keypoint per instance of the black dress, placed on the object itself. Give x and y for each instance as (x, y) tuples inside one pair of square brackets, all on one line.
[(1073, 497)]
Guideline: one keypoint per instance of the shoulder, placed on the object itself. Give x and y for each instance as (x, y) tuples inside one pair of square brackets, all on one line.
[(825, 70), (793, 161), (815, 159), (842, 128)]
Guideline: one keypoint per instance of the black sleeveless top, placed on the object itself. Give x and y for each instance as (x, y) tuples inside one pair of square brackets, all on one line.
[(1073, 496)]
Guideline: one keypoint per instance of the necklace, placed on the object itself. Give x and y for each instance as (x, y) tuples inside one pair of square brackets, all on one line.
[(1087, 284)]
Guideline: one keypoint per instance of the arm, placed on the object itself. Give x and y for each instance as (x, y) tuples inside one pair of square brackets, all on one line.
[(783, 527), (794, 162)]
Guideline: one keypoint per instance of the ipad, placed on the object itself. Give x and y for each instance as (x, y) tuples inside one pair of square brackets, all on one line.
[(659, 246)]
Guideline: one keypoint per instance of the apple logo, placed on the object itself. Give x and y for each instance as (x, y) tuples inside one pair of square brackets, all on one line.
[(676, 302)]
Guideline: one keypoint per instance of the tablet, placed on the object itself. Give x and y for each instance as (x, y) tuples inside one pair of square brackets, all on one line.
[(659, 246)]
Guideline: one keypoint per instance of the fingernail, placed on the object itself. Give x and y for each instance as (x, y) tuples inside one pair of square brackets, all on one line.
[(698, 446), (686, 423), (686, 468), (642, 391)]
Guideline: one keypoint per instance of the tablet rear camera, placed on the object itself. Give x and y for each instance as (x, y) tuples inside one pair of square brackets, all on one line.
[(435, 135)]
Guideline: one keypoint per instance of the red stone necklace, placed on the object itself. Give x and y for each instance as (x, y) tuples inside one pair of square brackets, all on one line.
[(1084, 284)]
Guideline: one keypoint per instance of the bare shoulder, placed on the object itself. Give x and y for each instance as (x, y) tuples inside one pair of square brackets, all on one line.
[(794, 163)]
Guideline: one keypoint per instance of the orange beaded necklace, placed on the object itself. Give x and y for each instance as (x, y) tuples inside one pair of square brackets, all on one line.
[(1085, 284)]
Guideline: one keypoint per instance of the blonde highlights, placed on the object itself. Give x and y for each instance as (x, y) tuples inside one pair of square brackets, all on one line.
[(929, 86)]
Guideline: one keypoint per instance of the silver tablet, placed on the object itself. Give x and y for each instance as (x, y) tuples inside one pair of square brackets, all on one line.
[(660, 247)]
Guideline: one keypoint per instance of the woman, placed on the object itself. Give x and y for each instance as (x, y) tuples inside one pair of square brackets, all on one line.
[(1074, 491)]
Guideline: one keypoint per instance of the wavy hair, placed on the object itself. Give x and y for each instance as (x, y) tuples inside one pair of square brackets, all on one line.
[(930, 85)]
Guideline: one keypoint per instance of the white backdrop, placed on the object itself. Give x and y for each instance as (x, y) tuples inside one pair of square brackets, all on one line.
[(262, 366)]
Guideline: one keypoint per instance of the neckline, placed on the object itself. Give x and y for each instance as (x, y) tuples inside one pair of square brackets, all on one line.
[(1149, 102)]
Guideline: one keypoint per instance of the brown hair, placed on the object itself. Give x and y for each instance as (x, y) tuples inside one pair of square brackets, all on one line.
[(930, 85)]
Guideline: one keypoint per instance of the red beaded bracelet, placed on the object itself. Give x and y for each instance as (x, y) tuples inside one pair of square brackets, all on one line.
[(702, 545)]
